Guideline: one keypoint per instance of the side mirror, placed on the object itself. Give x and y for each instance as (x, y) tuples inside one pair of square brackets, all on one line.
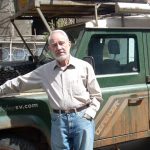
[(90, 60)]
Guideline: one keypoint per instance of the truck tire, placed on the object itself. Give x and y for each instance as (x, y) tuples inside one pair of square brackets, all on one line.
[(13, 143)]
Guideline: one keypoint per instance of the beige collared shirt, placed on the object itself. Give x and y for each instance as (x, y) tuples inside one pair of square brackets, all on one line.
[(70, 87)]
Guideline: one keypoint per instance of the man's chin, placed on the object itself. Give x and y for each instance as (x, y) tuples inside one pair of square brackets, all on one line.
[(61, 58)]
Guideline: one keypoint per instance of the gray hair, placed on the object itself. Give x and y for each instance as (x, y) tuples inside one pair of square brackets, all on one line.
[(57, 31)]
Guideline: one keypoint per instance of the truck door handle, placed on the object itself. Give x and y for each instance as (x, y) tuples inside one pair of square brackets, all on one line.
[(135, 101)]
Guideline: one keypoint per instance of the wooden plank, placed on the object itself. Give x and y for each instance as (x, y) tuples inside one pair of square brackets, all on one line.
[(66, 8)]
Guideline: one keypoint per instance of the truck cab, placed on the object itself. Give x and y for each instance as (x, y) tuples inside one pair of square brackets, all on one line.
[(121, 64)]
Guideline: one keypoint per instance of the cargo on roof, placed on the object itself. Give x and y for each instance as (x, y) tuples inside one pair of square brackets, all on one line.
[(134, 22), (66, 8)]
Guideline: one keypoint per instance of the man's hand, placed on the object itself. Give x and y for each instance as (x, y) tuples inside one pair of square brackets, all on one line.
[(87, 117)]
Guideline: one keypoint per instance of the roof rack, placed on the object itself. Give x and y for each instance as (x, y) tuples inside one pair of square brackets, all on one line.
[(60, 8), (65, 8), (49, 9)]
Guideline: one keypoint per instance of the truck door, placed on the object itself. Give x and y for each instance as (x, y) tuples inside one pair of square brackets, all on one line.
[(120, 70)]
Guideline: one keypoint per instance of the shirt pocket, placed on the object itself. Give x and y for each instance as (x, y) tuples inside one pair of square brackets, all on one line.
[(77, 87)]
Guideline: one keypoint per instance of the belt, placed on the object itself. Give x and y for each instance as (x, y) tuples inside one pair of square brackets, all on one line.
[(71, 110)]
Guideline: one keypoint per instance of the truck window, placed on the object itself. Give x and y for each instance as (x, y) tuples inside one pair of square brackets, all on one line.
[(114, 54)]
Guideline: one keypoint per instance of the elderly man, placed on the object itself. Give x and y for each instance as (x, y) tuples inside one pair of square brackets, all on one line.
[(73, 91)]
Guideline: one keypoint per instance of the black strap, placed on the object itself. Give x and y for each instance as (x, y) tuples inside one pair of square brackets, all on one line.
[(71, 110)]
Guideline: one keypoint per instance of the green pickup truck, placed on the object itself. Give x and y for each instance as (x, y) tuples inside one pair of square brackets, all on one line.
[(118, 47)]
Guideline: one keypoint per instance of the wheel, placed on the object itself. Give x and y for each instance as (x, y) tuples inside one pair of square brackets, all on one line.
[(13, 143)]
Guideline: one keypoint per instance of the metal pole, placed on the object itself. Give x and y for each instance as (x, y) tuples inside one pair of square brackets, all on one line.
[(10, 51), (43, 19), (96, 15)]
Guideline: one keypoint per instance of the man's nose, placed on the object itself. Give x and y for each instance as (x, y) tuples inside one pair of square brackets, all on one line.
[(58, 46)]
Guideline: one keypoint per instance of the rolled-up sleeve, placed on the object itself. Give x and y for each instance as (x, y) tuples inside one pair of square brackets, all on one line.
[(94, 91), (28, 81)]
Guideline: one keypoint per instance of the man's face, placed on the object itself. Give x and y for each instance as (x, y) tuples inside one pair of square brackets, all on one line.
[(59, 46)]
